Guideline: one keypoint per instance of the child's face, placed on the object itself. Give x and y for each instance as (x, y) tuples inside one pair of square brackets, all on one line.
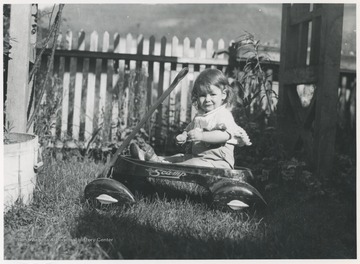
[(211, 99)]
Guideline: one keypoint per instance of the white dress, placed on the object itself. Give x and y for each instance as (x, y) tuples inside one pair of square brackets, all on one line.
[(218, 119)]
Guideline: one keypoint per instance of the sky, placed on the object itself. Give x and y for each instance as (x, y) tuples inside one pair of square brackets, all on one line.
[(269, 31)]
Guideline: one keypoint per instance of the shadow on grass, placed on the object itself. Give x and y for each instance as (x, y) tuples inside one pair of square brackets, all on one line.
[(308, 226), (295, 225), (132, 240), (137, 232), (122, 236)]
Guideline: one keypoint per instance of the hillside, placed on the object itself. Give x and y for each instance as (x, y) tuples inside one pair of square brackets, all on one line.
[(226, 21), (215, 21)]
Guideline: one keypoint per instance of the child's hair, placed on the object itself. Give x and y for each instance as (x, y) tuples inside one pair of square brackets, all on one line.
[(207, 78)]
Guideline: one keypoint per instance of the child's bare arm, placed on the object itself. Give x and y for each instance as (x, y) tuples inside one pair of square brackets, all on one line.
[(181, 138), (212, 137)]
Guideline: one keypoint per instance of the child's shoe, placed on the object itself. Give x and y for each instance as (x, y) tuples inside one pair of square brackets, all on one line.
[(143, 151), (136, 152)]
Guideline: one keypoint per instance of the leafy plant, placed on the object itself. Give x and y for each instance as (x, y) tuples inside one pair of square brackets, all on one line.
[(247, 71), (54, 33), (7, 129), (250, 75), (49, 110), (42, 112), (130, 93)]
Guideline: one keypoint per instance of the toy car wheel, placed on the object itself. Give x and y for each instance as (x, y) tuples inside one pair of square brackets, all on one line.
[(229, 195), (107, 191)]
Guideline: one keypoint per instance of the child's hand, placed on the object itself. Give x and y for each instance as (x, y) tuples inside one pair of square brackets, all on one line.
[(181, 139), (195, 134), (242, 137)]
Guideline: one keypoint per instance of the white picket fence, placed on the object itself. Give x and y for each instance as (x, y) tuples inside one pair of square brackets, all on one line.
[(90, 69), (160, 61)]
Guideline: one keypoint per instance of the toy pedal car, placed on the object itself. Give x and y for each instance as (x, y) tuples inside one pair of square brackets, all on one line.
[(229, 188)]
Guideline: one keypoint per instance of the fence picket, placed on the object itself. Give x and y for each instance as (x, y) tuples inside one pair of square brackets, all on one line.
[(209, 48), (186, 105), (59, 93), (166, 104), (197, 69), (97, 111), (139, 50), (90, 99), (94, 40), (68, 40), (209, 52), (198, 43), (150, 85), (55, 73), (84, 95), (66, 88), (124, 104), (130, 49), (81, 40), (150, 71), (122, 46), (103, 81), (59, 41), (115, 89), (107, 131), (117, 41), (160, 89), (172, 96), (78, 89), (140, 82), (221, 46), (129, 93)]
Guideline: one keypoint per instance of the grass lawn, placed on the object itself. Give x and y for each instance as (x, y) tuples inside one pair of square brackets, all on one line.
[(177, 223)]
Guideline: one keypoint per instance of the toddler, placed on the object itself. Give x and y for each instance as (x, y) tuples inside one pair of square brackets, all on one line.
[(212, 134)]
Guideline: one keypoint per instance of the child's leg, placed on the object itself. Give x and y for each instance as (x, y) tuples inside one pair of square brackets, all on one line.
[(143, 152), (146, 152), (188, 159), (198, 161), (177, 158)]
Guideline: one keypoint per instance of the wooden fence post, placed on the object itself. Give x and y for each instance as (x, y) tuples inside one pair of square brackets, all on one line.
[(18, 70), (326, 110), (312, 128)]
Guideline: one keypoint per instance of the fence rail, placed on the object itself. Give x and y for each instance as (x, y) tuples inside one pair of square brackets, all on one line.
[(111, 87)]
